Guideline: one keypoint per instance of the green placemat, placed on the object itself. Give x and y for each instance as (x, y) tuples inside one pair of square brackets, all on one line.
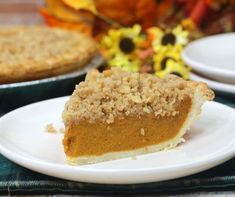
[(16, 180)]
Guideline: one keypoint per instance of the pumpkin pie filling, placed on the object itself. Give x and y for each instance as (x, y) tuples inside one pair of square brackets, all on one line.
[(116, 114), (124, 134)]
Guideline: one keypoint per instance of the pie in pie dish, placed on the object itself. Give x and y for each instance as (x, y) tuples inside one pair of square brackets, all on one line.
[(118, 114), (36, 52)]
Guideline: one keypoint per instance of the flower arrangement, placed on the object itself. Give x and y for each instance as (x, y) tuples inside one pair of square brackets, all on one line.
[(157, 51), (144, 35)]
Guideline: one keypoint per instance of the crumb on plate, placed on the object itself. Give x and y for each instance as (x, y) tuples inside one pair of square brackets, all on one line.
[(50, 128)]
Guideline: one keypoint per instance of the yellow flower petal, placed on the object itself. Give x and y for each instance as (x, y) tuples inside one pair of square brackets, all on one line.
[(175, 67)]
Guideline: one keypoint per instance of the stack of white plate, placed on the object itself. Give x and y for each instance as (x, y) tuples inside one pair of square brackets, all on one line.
[(212, 60)]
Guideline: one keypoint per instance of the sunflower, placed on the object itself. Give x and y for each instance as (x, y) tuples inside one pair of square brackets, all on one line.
[(163, 40), (125, 62), (161, 58), (174, 67), (120, 47)]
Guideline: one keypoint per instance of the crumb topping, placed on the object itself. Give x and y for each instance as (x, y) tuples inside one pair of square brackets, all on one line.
[(50, 128), (117, 93), (34, 52), (20, 44), (142, 131)]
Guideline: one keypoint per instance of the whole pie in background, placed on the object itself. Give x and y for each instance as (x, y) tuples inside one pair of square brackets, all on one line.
[(36, 52)]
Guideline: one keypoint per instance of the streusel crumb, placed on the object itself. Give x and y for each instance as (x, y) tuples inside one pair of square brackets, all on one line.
[(50, 128), (62, 130), (142, 131), (116, 93)]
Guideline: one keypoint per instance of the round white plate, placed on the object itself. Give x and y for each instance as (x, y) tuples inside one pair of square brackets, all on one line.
[(228, 89), (210, 141), (213, 56)]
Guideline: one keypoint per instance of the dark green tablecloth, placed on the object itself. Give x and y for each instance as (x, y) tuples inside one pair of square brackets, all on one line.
[(16, 180)]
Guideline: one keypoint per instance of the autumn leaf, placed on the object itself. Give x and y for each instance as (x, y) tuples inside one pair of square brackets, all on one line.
[(128, 12), (88, 5), (55, 22), (102, 14), (61, 11)]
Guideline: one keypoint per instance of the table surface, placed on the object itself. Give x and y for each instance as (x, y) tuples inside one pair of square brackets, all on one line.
[(16, 180)]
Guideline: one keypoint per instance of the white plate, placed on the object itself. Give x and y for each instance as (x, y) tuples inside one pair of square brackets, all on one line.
[(213, 56), (228, 89), (23, 140)]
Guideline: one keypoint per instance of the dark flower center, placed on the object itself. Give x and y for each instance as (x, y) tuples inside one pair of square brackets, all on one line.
[(176, 73), (164, 61), (126, 45), (168, 38)]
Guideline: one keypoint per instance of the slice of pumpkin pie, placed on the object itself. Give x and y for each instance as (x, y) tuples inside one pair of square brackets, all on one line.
[(118, 114)]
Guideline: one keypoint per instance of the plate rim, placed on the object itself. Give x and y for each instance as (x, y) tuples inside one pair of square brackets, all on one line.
[(224, 154), (216, 85), (201, 67)]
